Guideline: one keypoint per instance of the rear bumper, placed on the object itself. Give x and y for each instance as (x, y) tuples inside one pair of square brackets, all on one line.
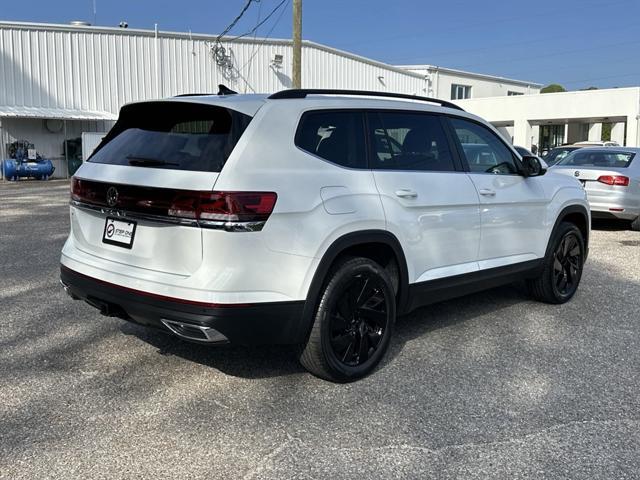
[(245, 324), (614, 211), (620, 205)]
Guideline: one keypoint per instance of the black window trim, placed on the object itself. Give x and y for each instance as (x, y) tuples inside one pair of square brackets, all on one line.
[(461, 153), (458, 163)]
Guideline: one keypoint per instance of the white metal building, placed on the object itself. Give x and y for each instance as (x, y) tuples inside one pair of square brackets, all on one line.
[(447, 83), (57, 81)]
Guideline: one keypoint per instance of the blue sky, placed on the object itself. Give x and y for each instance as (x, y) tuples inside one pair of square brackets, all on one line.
[(578, 43)]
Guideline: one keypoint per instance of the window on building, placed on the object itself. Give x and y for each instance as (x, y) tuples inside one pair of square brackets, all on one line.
[(460, 92), (409, 141), (511, 93), (336, 136)]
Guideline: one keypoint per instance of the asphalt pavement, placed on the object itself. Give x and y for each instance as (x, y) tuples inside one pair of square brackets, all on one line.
[(492, 385)]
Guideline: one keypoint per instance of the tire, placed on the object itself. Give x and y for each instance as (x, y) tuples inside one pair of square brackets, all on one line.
[(353, 322), (635, 225), (562, 266)]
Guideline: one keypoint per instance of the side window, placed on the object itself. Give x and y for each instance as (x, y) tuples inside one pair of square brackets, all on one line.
[(336, 136), (484, 151), (409, 141)]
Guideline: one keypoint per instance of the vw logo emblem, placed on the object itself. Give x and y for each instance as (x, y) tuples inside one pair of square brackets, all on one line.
[(112, 196), (576, 173)]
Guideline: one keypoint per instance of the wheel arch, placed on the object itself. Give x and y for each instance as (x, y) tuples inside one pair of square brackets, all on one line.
[(579, 216), (363, 243)]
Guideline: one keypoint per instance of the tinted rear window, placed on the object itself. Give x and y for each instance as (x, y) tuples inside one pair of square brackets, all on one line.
[(604, 159), (172, 135)]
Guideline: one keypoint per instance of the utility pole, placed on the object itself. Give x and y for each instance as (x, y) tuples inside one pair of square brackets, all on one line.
[(297, 43)]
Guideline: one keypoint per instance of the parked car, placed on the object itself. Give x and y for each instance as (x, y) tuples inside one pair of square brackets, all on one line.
[(312, 217), (591, 143), (611, 178), (556, 154), (525, 152)]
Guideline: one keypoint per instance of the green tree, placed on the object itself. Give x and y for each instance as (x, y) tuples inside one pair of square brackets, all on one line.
[(552, 88)]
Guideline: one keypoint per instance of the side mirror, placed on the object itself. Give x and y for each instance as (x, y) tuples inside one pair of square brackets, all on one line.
[(532, 166)]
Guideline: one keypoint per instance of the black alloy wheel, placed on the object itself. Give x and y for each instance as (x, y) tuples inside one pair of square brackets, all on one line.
[(353, 321), (567, 265), (358, 320), (562, 266)]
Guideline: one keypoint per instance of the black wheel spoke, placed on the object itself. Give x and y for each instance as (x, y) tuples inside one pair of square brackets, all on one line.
[(358, 320), (378, 318), (557, 265), (363, 350), (567, 264), (344, 308), (348, 352), (338, 323), (562, 284), (341, 342)]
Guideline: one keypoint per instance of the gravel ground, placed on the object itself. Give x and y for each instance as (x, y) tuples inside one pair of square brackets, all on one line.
[(491, 385)]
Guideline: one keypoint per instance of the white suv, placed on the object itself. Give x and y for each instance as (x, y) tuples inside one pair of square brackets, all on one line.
[(312, 217)]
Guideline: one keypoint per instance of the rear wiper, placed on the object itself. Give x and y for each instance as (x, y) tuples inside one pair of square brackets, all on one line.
[(139, 161)]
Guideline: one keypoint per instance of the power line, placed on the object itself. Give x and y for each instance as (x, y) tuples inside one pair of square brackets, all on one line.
[(236, 20), (264, 39), (255, 29), (253, 48), (262, 43)]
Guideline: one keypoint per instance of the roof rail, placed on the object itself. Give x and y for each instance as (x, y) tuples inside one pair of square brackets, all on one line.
[(303, 92)]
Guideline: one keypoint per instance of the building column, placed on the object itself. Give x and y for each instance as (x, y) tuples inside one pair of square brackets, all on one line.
[(535, 137), (595, 132), (633, 131), (617, 132), (522, 133)]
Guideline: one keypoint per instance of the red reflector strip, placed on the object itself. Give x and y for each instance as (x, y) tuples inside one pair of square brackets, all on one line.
[(155, 295), (616, 209)]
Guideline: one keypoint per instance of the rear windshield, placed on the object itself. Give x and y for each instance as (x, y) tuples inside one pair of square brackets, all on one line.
[(172, 135), (604, 159)]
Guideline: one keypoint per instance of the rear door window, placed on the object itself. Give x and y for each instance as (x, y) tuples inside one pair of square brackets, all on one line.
[(335, 136), (409, 141), (172, 135)]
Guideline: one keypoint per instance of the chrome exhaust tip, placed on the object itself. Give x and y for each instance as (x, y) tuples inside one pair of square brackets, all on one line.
[(192, 332), (67, 290)]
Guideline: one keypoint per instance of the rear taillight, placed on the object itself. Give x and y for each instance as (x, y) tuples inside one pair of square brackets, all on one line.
[(235, 211), (227, 207), (619, 180)]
